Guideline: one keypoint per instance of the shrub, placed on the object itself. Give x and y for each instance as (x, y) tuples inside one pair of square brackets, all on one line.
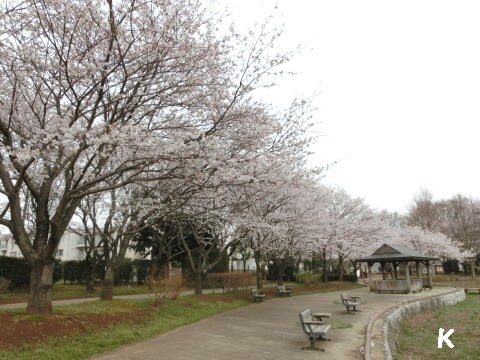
[(165, 288), (4, 284), (346, 277), (57, 271), (18, 271), (451, 267), (308, 278), (75, 271), (78, 271), (231, 280), (123, 273), (222, 265), (272, 273)]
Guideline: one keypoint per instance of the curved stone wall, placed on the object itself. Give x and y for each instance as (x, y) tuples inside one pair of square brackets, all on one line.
[(391, 326)]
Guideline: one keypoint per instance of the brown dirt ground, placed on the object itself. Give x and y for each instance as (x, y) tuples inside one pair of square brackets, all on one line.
[(20, 329)]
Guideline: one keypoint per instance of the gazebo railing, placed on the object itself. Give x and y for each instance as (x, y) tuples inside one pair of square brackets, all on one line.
[(396, 286)]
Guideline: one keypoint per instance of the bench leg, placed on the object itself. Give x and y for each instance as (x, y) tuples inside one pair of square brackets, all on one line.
[(312, 347)]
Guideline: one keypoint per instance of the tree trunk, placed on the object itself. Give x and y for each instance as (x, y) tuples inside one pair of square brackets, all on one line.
[(324, 266), (107, 290), (340, 265), (90, 286), (92, 275), (198, 282), (280, 271), (40, 301), (259, 270)]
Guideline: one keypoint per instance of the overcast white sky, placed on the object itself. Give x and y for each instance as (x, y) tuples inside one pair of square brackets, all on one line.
[(399, 85)]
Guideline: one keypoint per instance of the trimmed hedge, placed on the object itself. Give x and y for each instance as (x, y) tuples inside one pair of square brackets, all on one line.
[(123, 273), (336, 277), (77, 271), (74, 271), (309, 277), (229, 280), (18, 271)]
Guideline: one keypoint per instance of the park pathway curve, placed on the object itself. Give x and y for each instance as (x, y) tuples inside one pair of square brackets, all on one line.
[(268, 330)]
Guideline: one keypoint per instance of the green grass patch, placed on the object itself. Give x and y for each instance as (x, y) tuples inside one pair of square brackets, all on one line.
[(337, 324), (418, 335), (459, 281), (170, 315), (62, 291)]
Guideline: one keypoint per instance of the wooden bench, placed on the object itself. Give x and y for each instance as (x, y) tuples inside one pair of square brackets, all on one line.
[(350, 302), (467, 290), (314, 328), (284, 290), (257, 294)]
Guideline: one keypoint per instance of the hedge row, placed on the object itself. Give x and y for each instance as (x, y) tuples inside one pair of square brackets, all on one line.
[(309, 277), (78, 271), (229, 280), (18, 271)]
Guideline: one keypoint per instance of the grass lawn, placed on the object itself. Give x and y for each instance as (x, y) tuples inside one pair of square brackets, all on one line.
[(459, 281), (67, 291), (82, 330), (79, 331), (418, 336)]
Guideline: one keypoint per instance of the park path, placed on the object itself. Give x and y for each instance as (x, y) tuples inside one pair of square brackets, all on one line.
[(268, 330), (23, 305)]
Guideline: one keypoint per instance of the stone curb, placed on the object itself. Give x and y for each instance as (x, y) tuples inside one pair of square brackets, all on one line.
[(368, 349)]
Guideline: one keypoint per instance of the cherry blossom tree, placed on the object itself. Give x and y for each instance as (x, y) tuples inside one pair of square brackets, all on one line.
[(426, 242), (96, 95), (348, 226)]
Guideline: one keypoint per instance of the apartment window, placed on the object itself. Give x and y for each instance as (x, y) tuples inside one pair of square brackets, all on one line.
[(60, 253)]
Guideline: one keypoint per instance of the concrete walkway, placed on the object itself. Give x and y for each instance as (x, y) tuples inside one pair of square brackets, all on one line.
[(268, 330)]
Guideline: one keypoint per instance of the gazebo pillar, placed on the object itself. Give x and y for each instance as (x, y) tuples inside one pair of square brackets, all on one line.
[(429, 272), (394, 265), (407, 277), (369, 266), (382, 265), (419, 273)]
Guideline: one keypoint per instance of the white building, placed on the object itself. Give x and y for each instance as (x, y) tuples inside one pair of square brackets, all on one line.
[(71, 247), (236, 262)]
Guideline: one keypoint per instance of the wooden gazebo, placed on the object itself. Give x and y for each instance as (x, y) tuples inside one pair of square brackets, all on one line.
[(395, 256)]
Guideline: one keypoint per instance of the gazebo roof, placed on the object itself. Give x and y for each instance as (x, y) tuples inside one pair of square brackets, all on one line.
[(392, 252)]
